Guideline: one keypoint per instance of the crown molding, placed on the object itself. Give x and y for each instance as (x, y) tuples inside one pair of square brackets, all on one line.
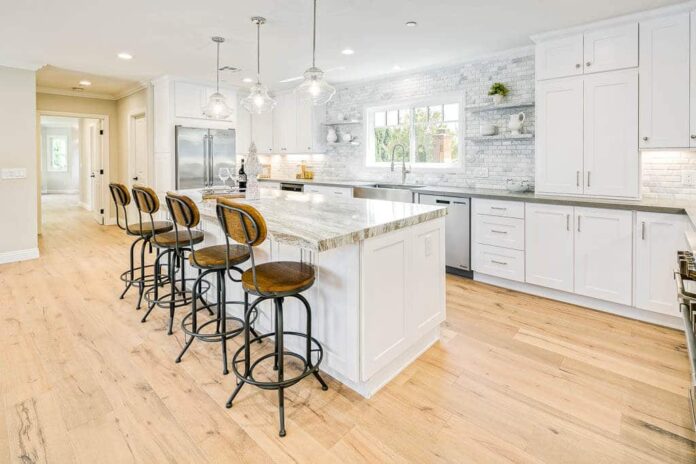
[(19, 64), (130, 91), (72, 93)]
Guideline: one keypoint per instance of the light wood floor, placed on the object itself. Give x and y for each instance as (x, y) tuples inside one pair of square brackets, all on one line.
[(516, 379)]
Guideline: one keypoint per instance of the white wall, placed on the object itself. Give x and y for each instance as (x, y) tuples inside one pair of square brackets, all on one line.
[(18, 197)]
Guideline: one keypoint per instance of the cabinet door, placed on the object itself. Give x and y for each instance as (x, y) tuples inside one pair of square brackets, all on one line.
[(603, 252), (559, 58), (243, 132), (611, 134), (611, 48), (658, 238), (549, 246), (305, 126), (262, 131), (693, 81), (189, 100), (230, 97), (559, 136), (664, 82), (285, 124)]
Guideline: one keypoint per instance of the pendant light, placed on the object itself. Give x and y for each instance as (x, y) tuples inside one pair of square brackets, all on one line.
[(258, 100), (217, 107), (315, 88)]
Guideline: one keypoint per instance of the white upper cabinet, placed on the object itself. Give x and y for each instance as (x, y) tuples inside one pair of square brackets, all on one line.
[(285, 124), (262, 131), (559, 57), (599, 50), (549, 246), (658, 238), (664, 82), (611, 48), (611, 134), (559, 136), (603, 254), (190, 98), (692, 118), (243, 132)]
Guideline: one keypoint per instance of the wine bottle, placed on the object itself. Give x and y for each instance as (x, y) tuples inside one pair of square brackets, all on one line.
[(242, 177)]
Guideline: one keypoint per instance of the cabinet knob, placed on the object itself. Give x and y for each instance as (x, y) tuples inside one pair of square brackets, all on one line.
[(693, 136), (589, 63), (645, 139), (577, 66)]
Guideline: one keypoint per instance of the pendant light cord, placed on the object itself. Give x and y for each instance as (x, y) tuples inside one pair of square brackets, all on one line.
[(314, 36), (217, 70), (258, 52)]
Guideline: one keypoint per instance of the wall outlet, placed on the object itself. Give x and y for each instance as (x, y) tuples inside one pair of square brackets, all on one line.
[(14, 173), (689, 178), (481, 172)]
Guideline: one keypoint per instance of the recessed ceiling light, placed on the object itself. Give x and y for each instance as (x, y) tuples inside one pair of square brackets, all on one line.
[(248, 80), (348, 51), (396, 67), (125, 56), (85, 83), (411, 24)]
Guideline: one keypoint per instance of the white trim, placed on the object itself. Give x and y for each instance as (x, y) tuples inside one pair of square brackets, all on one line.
[(73, 93), (629, 312), (61, 191), (19, 255), (617, 20), (25, 65), (132, 90), (84, 206)]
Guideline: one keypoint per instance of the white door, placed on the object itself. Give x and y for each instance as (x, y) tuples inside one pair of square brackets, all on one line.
[(603, 252), (262, 131), (658, 238), (559, 136), (96, 168), (139, 150), (549, 246), (692, 132), (285, 124), (664, 82), (611, 134), (611, 48), (559, 58)]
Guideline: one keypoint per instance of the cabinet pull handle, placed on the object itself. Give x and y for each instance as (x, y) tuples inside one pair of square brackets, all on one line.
[(442, 202), (693, 136), (579, 222), (588, 64), (568, 222), (577, 65), (642, 230), (577, 178), (498, 231), (498, 262), (588, 178), (499, 208), (645, 139)]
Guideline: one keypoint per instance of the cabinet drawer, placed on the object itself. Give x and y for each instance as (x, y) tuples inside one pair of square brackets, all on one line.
[(500, 262), (499, 231), (513, 209), (345, 192)]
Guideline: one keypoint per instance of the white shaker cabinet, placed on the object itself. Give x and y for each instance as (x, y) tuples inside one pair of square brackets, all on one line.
[(559, 136), (285, 124), (611, 48), (603, 254), (658, 238), (262, 131), (611, 159), (664, 82), (549, 246), (692, 118), (559, 57), (243, 132)]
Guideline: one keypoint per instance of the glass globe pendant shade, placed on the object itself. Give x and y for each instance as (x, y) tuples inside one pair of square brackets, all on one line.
[(258, 101), (217, 107), (315, 88)]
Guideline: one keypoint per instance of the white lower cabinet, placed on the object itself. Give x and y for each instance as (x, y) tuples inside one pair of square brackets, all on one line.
[(499, 262), (549, 233), (658, 238), (328, 190), (603, 254)]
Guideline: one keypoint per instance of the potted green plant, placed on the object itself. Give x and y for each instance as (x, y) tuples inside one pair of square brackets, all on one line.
[(498, 91)]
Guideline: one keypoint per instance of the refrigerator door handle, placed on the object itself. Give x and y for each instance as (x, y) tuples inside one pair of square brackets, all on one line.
[(206, 170), (211, 160)]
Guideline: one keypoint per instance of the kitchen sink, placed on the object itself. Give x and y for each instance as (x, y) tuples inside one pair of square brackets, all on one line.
[(390, 192)]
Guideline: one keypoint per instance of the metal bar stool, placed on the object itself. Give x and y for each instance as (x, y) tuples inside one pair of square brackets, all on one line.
[(217, 259), (173, 245), (269, 281), (144, 232)]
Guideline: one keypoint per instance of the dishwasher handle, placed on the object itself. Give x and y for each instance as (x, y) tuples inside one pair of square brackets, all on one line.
[(442, 202)]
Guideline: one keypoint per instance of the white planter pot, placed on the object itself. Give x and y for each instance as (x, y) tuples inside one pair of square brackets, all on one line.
[(497, 99)]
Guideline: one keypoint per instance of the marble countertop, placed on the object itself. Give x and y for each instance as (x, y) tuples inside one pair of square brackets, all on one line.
[(320, 223)]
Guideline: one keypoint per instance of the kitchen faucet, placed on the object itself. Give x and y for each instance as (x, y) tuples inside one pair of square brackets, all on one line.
[(404, 171)]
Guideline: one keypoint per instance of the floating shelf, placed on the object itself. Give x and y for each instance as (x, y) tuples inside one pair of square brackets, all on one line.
[(344, 143), (346, 121), (502, 106), (485, 138)]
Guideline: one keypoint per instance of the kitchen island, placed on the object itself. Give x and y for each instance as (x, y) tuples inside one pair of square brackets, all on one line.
[(379, 296)]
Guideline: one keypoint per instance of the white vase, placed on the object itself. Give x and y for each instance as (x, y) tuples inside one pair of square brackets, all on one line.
[(331, 136), (347, 137), (497, 99)]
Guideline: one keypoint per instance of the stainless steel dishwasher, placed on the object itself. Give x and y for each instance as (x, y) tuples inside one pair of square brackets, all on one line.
[(457, 231)]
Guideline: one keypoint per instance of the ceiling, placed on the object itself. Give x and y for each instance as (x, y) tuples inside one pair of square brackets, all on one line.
[(173, 36), (64, 79)]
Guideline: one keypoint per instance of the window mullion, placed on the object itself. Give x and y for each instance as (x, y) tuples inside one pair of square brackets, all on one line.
[(412, 135)]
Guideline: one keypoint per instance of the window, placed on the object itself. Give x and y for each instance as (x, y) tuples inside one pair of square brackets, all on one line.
[(429, 133), (58, 154)]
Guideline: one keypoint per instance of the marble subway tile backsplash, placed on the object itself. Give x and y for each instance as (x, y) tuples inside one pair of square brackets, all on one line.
[(666, 173)]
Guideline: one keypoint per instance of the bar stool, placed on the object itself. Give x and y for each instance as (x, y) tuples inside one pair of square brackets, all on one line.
[(217, 259), (122, 199), (269, 281), (173, 245)]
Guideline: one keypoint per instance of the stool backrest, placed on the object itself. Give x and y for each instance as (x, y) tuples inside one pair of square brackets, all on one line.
[(147, 202), (122, 199), (185, 214)]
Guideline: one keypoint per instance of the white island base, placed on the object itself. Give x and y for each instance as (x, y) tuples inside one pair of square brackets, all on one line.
[(377, 304)]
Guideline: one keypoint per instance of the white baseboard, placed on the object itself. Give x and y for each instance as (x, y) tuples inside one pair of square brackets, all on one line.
[(630, 312), (65, 192), (19, 255), (84, 205)]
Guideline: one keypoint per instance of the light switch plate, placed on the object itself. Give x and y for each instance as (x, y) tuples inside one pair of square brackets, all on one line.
[(688, 178), (14, 173)]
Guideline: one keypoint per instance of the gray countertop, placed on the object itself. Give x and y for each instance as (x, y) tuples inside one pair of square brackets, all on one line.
[(315, 222)]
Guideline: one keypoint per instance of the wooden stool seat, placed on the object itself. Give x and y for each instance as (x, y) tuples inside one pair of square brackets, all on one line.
[(169, 239), (146, 229), (279, 278), (213, 257)]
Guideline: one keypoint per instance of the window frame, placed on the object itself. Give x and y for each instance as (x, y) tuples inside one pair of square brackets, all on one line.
[(49, 161), (443, 99)]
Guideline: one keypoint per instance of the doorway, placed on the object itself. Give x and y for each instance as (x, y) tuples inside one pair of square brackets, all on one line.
[(73, 163)]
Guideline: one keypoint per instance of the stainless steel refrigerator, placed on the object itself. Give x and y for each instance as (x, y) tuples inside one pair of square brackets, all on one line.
[(200, 153)]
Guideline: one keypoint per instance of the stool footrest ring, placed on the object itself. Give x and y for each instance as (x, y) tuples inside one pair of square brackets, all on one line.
[(181, 297)]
